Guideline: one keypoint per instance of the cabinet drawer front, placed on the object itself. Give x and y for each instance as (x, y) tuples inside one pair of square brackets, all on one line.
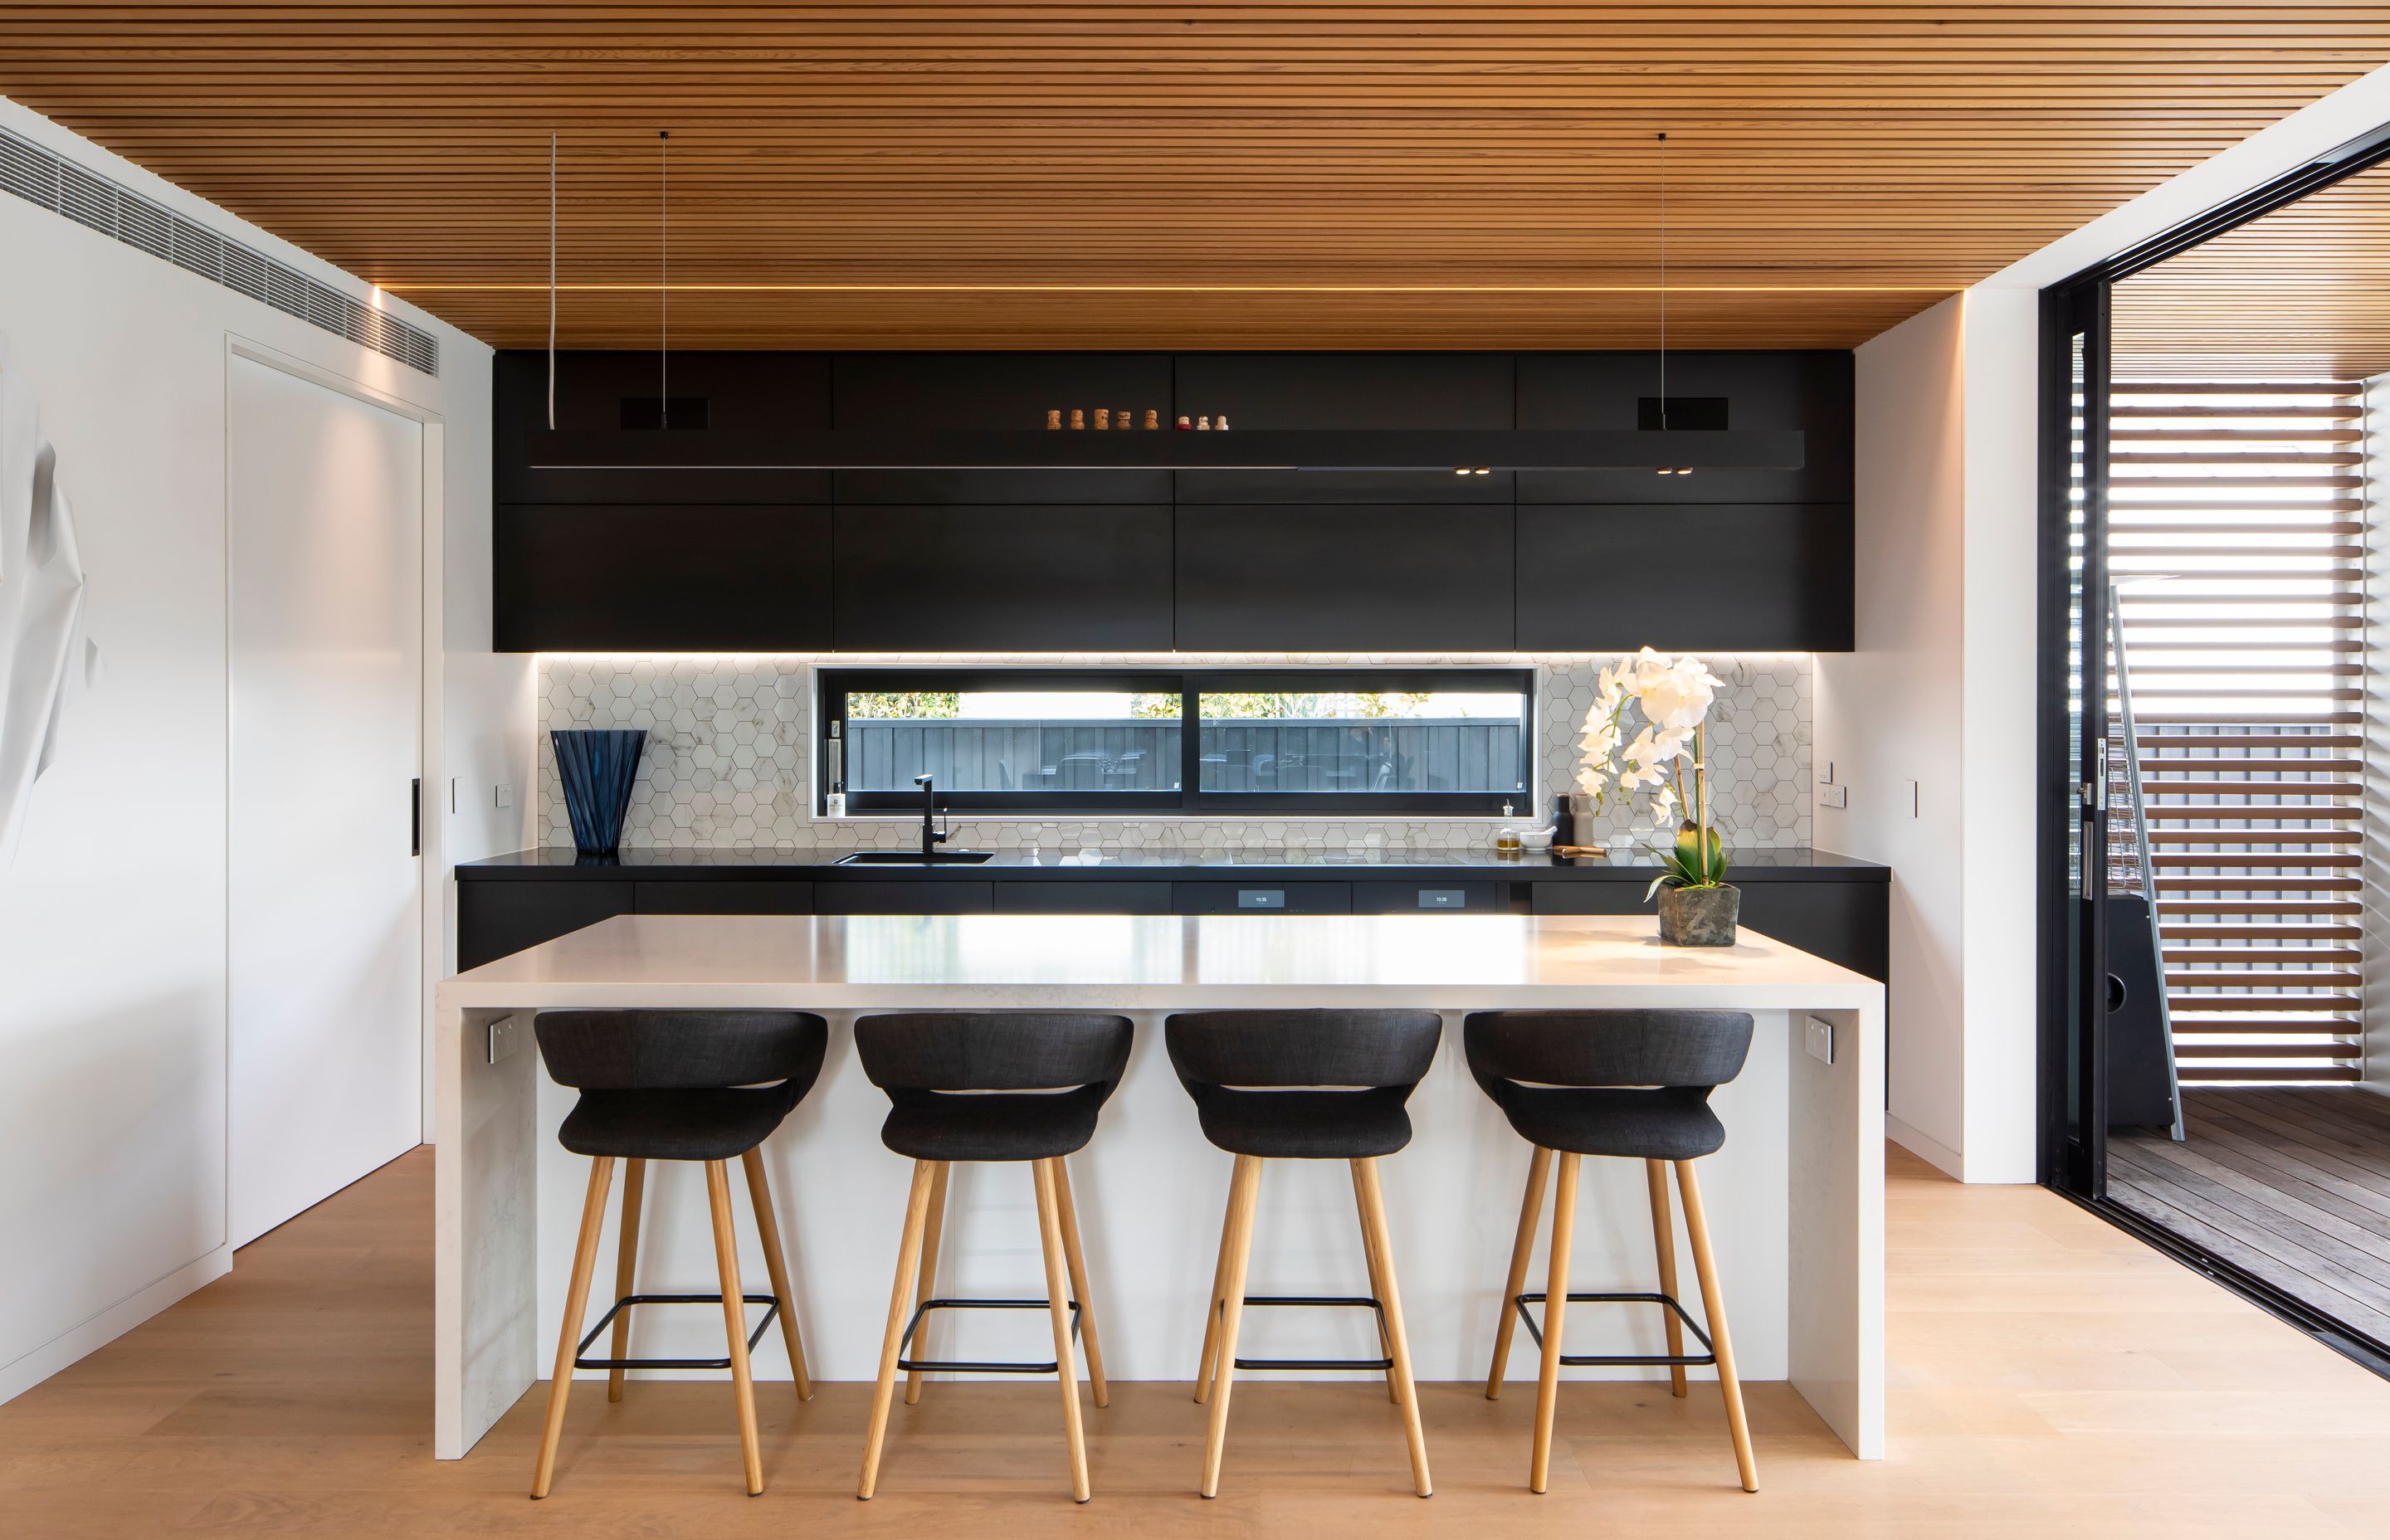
[(496, 918), (922, 897), (1403, 898), (1082, 898), (1294, 898), (726, 898), (1592, 898)]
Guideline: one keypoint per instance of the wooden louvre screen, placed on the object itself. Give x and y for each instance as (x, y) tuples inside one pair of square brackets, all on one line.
[(2237, 541)]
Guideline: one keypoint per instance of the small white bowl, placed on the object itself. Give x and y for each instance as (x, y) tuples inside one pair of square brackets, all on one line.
[(1535, 838)]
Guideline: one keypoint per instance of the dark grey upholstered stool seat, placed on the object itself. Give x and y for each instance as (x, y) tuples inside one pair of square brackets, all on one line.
[(1633, 1085), (991, 1086), (703, 1086), (1303, 1085)]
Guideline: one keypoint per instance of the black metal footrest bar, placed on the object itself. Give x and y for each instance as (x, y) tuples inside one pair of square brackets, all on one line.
[(1377, 1365), (579, 1362), (1652, 1360), (943, 1366)]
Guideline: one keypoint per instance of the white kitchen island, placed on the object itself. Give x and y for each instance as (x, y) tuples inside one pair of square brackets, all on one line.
[(1795, 1199)]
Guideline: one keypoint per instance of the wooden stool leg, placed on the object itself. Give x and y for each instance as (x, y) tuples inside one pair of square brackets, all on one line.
[(1243, 1189), (908, 1256), (925, 1285), (1547, 1387), (1531, 1214), (1076, 1256), (1663, 1239), (1376, 1283), (734, 1319), (1697, 1230), (1206, 1369), (627, 1267), (1373, 1219), (576, 1301), (767, 1223), (1066, 1355)]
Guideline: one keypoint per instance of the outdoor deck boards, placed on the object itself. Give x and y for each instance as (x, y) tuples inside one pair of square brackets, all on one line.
[(2292, 1185)]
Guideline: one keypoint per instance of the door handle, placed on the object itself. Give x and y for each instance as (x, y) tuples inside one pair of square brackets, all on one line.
[(415, 816)]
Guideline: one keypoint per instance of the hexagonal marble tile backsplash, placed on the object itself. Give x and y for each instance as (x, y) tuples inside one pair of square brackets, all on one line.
[(728, 759)]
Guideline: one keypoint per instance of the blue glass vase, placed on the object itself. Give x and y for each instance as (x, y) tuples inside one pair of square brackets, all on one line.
[(598, 767)]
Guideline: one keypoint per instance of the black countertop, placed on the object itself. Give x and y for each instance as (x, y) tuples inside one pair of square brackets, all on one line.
[(559, 861)]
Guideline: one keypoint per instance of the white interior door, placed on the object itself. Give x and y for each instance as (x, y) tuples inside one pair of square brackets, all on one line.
[(326, 635)]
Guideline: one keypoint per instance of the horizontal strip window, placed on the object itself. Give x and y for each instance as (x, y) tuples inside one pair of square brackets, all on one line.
[(1215, 742)]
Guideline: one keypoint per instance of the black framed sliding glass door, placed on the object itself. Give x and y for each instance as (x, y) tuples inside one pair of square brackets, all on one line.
[(2075, 979)]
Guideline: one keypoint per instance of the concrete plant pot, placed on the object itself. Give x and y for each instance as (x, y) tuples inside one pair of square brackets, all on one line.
[(1698, 917)]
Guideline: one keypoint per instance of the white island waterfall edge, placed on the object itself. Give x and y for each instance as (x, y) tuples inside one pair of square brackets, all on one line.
[(1795, 1198)]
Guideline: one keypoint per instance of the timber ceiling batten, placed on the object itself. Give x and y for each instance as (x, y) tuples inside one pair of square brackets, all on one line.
[(1142, 174)]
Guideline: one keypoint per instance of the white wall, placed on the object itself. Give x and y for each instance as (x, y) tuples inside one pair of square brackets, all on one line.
[(112, 919)]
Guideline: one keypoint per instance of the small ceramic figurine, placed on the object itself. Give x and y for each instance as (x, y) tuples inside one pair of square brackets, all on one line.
[(1053, 417), (1078, 418), (1153, 417), (1103, 417), (1125, 419), (1202, 425), (1222, 425), (1185, 423)]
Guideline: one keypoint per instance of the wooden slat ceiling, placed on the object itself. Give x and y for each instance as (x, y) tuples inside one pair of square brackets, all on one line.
[(2300, 293), (1132, 173)]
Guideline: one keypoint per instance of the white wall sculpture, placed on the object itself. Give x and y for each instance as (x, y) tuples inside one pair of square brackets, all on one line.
[(45, 657)]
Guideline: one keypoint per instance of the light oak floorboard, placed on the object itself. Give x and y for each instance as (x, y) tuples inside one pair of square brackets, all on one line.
[(2051, 1375)]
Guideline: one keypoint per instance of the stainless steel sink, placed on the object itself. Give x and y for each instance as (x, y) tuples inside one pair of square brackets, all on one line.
[(914, 858)]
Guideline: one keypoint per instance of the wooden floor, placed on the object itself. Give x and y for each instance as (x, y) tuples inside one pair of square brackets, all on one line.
[(2051, 1376), (2292, 1185)]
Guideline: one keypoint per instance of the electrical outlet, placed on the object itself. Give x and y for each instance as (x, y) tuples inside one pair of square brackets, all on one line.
[(506, 795), (1819, 1038), (504, 1039), (1908, 798), (1834, 796)]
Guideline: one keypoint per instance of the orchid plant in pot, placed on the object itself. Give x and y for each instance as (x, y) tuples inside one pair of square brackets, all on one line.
[(1668, 760)]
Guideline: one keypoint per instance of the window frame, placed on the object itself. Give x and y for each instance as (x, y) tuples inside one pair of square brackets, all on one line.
[(833, 685)]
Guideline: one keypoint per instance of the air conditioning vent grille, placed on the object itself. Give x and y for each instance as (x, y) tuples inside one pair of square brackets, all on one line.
[(35, 174)]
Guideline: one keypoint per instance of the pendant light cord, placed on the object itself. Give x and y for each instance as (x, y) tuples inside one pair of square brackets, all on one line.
[(1664, 283), (552, 282), (663, 283)]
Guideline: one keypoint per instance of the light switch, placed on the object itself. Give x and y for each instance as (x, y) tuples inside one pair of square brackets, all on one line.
[(1819, 1038), (506, 795), (1834, 796), (1826, 772)]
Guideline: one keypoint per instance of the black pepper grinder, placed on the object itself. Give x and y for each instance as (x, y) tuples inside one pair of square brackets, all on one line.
[(1564, 822)]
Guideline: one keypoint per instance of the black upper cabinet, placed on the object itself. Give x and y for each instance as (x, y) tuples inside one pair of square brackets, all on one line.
[(1345, 579), (1325, 390), (1809, 391), (1753, 578), (628, 577), (1004, 579), (611, 391), (998, 391)]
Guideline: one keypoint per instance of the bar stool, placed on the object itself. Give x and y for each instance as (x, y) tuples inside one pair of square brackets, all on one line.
[(991, 1086), (706, 1086), (1633, 1085), (1303, 1085)]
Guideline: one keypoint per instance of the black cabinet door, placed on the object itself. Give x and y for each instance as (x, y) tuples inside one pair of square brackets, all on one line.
[(919, 896), (1271, 578), (999, 390), (1031, 897), (494, 919), (1751, 578), (1427, 898), (1807, 392), (594, 577), (608, 392), (1003, 579), (1328, 390), (1263, 898), (735, 897)]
